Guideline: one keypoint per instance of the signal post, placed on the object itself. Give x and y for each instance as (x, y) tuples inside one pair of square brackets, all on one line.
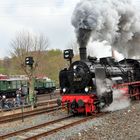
[(29, 62)]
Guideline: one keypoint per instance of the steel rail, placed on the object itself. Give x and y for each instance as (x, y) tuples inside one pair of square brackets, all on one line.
[(53, 130), (36, 137), (31, 128), (26, 114)]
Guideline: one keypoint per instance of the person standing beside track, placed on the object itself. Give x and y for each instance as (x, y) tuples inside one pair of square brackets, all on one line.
[(3, 100)]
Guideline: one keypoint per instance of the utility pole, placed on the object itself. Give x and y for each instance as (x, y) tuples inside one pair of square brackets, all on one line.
[(29, 62)]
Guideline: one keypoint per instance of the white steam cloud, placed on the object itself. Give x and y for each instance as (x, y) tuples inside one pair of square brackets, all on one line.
[(120, 101), (115, 21)]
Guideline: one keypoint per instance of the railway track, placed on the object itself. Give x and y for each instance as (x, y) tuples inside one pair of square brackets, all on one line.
[(21, 115), (48, 128)]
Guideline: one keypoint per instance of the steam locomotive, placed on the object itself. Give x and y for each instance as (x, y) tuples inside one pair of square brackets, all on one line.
[(87, 85)]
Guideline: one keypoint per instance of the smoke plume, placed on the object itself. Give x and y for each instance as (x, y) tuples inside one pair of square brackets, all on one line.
[(115, 21)]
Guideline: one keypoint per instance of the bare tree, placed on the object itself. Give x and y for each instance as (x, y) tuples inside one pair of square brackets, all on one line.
[(27, 44), (6, 64)]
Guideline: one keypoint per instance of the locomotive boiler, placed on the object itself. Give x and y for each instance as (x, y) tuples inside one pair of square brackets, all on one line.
[(87, 85)]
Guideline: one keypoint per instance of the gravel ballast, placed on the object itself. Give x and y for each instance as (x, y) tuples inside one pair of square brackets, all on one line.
[(119, 125), (31, 121)]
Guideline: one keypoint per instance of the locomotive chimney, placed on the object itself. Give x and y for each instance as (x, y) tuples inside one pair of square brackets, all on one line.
[(83, 37), (83, 53)]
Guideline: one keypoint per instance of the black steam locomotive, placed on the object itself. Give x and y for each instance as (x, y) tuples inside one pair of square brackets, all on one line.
[(87, 85)]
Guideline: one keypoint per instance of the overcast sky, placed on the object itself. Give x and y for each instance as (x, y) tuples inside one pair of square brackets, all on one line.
[(50, 17)]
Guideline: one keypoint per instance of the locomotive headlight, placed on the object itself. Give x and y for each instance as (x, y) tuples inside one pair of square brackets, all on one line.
[(86, 89), (64, 90)]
